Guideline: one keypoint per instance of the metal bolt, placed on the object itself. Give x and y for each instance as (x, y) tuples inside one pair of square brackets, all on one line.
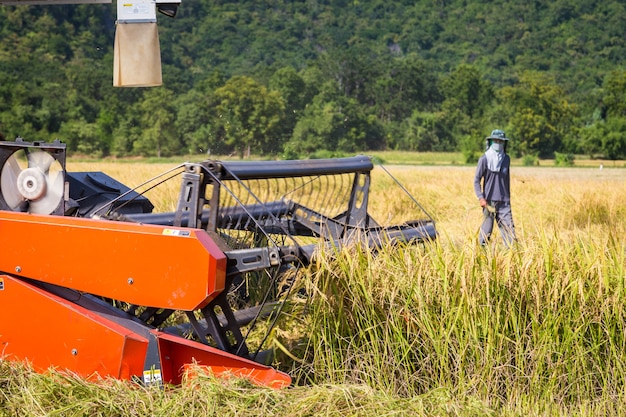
[(74, 352), (130, 281), (18, 269)]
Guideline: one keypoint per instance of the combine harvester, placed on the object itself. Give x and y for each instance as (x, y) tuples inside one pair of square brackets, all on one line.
[(94, 282)]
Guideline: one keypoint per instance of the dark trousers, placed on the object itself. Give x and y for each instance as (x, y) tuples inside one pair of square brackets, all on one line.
[(500, 212)]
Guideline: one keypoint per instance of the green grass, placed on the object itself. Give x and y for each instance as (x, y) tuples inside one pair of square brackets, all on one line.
[(384, 157), (418, 158), (456, 158)]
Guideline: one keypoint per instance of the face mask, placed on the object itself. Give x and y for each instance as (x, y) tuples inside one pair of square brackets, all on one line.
[(496, 146)]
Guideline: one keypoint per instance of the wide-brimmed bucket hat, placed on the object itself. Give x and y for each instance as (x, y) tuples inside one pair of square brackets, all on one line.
[(498, 134)]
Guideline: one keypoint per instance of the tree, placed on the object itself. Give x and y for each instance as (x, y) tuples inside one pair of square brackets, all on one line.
[(334, 122), (250, 116), (614, 142), (293, 90), (195, 121), (158, 137), (385, 57), (465, 89), (426, 132), (407, 83), (615, 94), (81, 137), (534, 135), (605, 137), (467, 97), (540, 116)]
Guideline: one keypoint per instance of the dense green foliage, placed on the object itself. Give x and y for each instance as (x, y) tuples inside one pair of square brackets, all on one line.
[(292, 78)]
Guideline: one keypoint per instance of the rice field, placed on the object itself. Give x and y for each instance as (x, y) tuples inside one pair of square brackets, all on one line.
[(447, 328)]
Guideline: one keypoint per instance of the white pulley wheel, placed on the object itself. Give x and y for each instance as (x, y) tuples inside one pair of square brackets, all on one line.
[(31, 183)]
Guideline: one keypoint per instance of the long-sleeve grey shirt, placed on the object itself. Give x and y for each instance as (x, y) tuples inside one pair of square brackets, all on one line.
[(493, 185)]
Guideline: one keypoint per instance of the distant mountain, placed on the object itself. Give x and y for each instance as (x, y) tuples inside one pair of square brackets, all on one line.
[(55, 63)]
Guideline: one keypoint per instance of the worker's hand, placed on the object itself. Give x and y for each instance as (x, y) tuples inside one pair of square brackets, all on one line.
[(482, 202)]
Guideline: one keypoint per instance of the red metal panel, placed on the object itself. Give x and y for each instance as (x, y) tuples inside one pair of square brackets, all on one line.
[(177, 354), (50, 332), (148, 265)]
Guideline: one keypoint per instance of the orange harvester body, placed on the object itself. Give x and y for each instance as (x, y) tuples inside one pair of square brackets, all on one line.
[(141, 264), (165, 267)]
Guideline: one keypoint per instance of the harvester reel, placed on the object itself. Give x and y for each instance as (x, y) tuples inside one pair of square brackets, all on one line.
[(32, 178)]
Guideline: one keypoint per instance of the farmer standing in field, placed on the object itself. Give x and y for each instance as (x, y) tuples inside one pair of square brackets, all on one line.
[(492, 187)]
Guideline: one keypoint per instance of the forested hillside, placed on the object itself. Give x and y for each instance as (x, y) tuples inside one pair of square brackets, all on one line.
[(296, 78)]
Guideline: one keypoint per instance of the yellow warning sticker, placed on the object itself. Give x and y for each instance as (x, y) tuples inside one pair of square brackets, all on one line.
[(152, 376), (1, 283), (175, 232)]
